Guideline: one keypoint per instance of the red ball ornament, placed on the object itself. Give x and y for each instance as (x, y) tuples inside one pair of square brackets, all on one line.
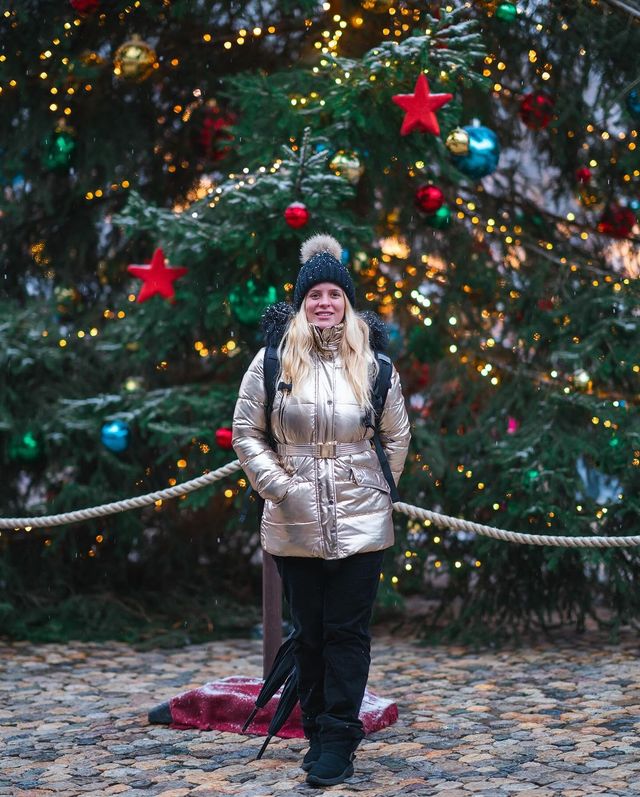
[(296, 215), (583, 175), (223, 437), (429, 198), (214, 137), (536, 110), (84, 6), (617, 221)]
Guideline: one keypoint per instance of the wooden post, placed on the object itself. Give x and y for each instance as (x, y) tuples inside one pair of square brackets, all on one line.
[(271, 612)]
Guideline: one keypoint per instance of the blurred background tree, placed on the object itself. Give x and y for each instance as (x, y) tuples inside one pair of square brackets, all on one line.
[(494, 228)]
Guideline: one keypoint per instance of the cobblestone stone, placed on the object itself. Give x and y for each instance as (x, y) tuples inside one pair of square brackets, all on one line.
[(551, 720)]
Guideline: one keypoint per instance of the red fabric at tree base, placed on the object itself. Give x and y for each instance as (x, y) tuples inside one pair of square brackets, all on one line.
[(224, 705)]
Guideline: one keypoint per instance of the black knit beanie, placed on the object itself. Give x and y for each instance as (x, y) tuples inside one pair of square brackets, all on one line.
[(321, 262)]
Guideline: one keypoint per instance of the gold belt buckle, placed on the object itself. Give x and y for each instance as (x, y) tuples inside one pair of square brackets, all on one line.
[(326, 450)]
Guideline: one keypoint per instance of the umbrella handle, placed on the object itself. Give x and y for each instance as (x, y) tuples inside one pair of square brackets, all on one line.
[(263, 748), (250, 719)]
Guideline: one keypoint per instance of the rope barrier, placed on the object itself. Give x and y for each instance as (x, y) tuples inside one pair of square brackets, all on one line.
[(415, 512)]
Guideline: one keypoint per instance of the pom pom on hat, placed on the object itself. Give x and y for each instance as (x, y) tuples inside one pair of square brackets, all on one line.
[(320, 243)]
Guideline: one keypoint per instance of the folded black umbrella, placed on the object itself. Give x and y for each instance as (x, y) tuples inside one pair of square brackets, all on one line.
[(281, 669), (286, 704)]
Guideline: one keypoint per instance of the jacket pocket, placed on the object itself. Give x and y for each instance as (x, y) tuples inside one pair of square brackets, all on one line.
[(367, 477)]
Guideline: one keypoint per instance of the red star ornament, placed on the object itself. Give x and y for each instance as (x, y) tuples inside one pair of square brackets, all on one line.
[(420, 108), (157, 277)]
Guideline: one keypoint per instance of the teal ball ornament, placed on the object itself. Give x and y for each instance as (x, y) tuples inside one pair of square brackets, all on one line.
[(484, 152), (441, 219), (115, 436), (24, 448)]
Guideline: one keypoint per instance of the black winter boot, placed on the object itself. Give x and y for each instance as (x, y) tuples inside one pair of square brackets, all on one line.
[(335, 763), (313, 753)]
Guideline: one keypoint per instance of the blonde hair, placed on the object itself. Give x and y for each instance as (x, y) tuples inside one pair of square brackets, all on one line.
[(360, 364)]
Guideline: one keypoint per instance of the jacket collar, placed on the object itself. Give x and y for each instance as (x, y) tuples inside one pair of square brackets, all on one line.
[(327, 341)]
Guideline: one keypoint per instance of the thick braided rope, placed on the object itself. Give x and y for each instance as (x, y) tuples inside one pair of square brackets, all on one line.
[(415, 512), (122, 506), (513, 536)]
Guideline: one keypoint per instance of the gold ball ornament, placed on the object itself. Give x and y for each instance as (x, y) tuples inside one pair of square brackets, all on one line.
[(377, 6), (458, 142), (347, 164), (134, 60)]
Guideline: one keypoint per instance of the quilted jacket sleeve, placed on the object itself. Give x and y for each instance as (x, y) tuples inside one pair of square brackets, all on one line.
[(395, 431), (249, 439)]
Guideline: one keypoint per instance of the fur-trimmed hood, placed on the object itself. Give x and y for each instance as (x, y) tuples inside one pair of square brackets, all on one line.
[(276, 317)]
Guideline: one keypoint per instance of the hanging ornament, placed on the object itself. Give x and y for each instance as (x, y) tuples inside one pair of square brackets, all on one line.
[(507, 12), (248, 301), (85, 6), (296, 215), (115, 436), (420, 108), (223, 438), (429, 198), (458, 141), (24, 448), (347, 164), (59, 147), (483, 155), (134, 60), (377, 6), (513, 424), (617, 221), (214, 136), (441, 219), (633, 103), (583, 175), (157, 277), (536, 110)]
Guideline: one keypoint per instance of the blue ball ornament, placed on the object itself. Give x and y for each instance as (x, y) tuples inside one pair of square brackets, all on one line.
[(115, 436), (483, 155), (633, 103)]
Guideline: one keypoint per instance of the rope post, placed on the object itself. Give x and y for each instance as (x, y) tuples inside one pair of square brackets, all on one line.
[(271, 612)]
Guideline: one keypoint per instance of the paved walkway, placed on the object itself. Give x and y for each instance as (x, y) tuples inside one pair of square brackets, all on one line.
[(561, 719)]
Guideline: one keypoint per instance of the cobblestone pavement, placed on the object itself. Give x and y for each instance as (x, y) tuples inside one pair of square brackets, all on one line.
[(557, 718)]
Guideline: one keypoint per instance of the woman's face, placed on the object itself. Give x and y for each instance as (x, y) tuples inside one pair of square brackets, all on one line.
[(324, 305)]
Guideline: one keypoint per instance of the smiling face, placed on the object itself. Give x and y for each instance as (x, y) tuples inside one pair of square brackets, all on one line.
[(324, 305)]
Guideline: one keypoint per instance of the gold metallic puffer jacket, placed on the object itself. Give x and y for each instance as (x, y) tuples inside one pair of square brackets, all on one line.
[(318, 504)]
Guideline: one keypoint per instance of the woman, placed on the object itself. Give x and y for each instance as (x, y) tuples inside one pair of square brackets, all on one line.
[(327, 513)]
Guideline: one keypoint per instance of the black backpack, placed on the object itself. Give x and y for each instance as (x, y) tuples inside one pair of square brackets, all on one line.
[(378, 399)]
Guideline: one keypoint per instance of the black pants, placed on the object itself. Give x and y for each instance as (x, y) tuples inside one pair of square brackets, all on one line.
[(330, 601)]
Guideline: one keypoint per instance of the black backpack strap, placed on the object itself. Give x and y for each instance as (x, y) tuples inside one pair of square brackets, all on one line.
[(271, 366), (378, 399)]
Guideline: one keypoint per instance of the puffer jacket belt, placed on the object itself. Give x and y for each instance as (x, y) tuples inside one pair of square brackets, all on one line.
[(323, 450)]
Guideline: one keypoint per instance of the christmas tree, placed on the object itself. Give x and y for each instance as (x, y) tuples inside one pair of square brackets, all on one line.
[(478, 163)]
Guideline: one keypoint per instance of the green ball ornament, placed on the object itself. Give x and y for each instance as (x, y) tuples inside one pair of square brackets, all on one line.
[(248, 302), (347, 164), (58, 149), (441, 219), (507, 12), (24, 448)]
